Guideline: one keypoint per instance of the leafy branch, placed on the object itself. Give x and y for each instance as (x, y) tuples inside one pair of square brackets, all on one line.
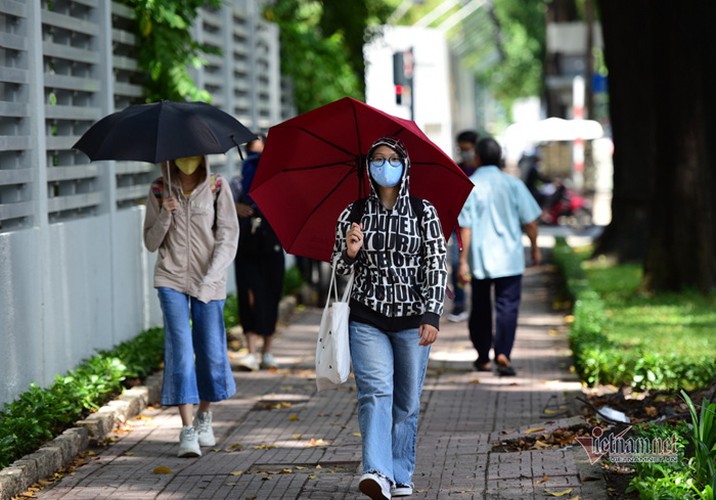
[(166, 49)]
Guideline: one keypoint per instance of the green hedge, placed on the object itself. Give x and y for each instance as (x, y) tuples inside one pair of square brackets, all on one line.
[(600, 360), (38, 415)]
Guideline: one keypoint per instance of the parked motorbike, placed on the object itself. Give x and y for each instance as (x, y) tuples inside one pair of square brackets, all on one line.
[(563, 206)]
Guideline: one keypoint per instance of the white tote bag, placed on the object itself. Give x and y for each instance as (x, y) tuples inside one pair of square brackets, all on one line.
[(333, 356)]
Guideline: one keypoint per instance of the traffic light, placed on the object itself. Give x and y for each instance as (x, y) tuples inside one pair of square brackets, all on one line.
[(399, 94), (399, 68), (399, 79)]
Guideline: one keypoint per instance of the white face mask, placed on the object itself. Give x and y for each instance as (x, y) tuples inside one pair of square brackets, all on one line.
[(189, 164)]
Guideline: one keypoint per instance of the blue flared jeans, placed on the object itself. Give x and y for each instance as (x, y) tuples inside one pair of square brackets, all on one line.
[(389, 369), (196, 360)]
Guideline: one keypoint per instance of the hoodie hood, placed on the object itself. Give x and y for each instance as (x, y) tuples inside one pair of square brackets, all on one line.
[(397, 146)]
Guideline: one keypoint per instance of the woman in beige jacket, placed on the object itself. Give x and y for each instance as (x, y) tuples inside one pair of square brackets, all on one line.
[(193, 225)]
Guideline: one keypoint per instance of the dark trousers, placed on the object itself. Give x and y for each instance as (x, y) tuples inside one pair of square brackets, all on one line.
[(505, 308)]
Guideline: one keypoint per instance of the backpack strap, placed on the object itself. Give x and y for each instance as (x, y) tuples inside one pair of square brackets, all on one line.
[(157, 188), (357, 211), (215, 182), (418, 208)]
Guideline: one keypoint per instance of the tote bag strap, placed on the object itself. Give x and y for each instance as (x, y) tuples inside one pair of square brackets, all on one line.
[(333, 286), (349, 286)]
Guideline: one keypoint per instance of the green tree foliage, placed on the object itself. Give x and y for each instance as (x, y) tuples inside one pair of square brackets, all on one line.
[(322, 46), (521, 38), (166, 49), (354, 20), (502, 42)]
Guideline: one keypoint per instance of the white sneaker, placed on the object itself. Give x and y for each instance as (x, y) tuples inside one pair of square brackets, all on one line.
[(267, 361), (248, 363), (402, 490), (202, 423), (188, 442), (375, 486)]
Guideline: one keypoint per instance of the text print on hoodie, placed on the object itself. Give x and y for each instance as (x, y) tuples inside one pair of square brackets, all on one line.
[(401, 269)]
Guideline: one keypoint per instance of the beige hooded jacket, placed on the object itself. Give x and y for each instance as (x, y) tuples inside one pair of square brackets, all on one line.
[(196, 246)]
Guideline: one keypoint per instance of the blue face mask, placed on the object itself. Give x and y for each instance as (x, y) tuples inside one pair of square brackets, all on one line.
[(386, 173)]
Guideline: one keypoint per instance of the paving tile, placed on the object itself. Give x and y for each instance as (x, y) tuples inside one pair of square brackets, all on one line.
[(278, 438)]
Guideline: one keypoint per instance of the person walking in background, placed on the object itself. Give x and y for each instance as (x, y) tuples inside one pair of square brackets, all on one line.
[(259, 267), (396, 302), (192, 223), (466, 141), (491, 223)]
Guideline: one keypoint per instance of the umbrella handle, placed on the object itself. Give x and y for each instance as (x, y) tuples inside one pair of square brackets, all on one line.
[(169, 187), (169, 178)]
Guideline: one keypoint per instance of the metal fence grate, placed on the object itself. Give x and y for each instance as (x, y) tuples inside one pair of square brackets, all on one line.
[(16, 207), (82, 65)]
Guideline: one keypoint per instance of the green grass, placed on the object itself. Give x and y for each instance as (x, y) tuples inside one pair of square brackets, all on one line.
[(665, 323), (623, 337)]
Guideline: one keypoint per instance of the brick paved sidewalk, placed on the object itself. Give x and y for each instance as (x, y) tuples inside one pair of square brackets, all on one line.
[(277, 438)]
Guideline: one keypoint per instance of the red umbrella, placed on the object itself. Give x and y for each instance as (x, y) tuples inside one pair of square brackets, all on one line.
[(313, 166)]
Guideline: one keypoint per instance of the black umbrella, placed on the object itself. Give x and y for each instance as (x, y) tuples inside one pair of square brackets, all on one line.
[(163, 131)]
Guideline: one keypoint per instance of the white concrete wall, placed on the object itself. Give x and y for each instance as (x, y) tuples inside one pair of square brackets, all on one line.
[(74, 275)]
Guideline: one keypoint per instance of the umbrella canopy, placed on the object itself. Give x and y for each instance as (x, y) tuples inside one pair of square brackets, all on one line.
[(313, 166), (161, 131)]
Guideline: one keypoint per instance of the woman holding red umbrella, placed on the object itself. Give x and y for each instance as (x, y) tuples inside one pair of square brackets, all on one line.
[(397, 250)]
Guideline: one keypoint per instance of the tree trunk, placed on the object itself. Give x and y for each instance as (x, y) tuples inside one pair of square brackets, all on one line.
[(629, 54), (664, 122), (681, 246)]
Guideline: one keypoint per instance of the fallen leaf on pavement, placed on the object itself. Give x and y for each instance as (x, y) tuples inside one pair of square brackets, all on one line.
[(293, 418), (162, 470), (543, 480), (534, 429), (559, 493), (236, 473)]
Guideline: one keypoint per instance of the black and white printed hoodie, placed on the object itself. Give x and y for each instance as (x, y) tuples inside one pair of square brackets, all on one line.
[(401, 270)]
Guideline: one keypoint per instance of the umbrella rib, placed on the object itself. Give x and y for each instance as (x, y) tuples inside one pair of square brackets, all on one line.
[(325, 141), (317, 167)]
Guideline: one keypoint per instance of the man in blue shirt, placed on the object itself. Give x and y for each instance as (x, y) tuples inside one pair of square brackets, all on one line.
[(491, 222)]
